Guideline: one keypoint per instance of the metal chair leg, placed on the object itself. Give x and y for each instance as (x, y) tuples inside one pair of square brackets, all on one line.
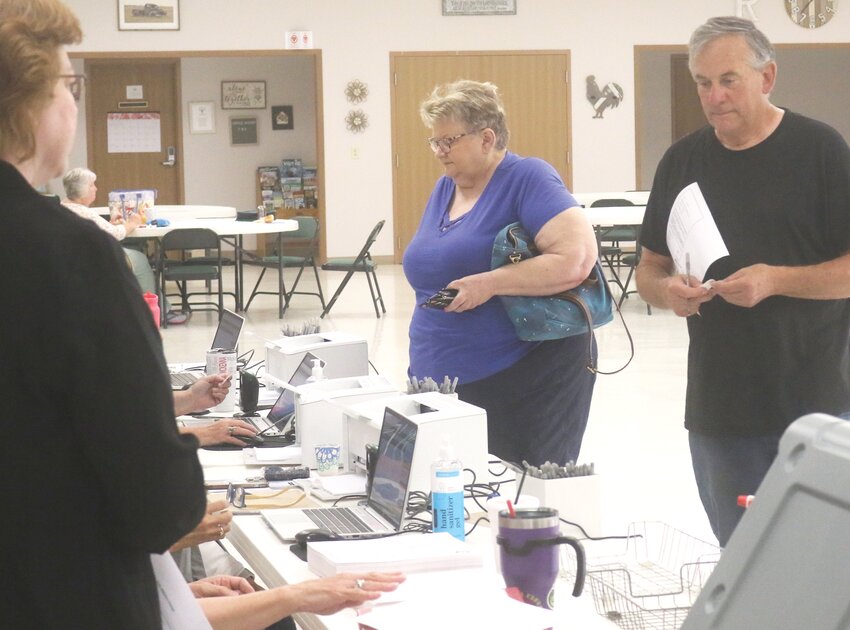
[(336, 294)]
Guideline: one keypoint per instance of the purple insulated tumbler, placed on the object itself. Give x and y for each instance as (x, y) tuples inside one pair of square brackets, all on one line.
[(528, 544)]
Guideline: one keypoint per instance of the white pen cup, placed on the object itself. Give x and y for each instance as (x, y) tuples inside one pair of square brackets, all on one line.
[(496, 505), (327, 459)]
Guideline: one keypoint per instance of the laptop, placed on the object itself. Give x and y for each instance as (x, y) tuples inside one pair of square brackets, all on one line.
[(275, 421), (226, 337), (387, 498)]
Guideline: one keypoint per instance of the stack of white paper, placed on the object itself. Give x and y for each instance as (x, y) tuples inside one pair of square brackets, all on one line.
[(471, 598), (408, 553)]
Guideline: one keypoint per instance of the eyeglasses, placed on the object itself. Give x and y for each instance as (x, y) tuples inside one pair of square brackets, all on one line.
[(236, 495), (445, 144), (74, 84)]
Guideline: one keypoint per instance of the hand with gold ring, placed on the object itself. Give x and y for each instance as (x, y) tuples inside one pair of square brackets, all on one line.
[(328, 595), (214, 526), (223, 431)]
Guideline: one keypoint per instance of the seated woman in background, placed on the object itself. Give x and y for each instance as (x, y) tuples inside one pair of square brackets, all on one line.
[(80, 191)]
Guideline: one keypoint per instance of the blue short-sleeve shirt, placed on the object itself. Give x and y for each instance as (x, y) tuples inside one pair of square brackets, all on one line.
[(478, 343)]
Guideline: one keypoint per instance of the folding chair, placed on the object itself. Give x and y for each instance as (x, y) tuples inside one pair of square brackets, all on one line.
[(298, 249), (182, 270), (361, 263)]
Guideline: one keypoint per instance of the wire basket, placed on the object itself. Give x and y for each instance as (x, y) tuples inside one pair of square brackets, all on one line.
[(651, 580)]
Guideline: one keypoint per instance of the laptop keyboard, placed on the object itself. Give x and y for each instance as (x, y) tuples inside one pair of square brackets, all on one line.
[(341, 520), (182, 379)]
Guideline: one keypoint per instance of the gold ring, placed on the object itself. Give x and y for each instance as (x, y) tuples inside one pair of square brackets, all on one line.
[(231, 430), (359, 583), (220, 531)]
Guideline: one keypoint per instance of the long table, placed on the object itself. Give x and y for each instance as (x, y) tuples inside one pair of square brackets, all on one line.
[(276, 566), (615, 215), (230, 231)]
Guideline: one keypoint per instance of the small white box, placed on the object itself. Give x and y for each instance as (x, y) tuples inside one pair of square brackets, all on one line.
[(577, 499)]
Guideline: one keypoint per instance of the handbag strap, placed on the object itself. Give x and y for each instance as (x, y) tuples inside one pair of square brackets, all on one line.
[(583, 307)]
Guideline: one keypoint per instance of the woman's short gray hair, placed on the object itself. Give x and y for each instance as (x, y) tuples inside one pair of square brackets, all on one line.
[(77, 182), (762, 50), (471, 103)]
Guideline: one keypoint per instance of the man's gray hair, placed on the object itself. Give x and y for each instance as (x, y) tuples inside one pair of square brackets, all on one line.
[(77, 182), (471, 103), (762, 50)]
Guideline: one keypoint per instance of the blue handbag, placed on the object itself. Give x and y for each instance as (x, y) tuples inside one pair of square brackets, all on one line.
[(540, 318)]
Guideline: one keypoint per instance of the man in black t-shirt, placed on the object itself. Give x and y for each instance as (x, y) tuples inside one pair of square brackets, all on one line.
[(772, 339)]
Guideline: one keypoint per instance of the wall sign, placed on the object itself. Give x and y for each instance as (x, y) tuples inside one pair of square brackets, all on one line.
[(243, 94), (479, 7), (243, 130)]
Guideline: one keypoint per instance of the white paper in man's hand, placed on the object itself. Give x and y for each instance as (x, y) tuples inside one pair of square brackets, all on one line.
[(692, 234)]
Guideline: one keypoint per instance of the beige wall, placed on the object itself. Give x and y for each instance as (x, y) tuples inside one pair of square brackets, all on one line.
[(356, 38)]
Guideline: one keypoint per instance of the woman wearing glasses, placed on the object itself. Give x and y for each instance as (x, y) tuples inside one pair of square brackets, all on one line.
[(91, 405), (537, 395), (97, 477)]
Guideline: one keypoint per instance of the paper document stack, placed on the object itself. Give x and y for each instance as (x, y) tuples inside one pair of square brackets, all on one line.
[(409, 553)]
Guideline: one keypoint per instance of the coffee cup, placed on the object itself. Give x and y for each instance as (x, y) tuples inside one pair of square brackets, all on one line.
[(327, 459), (528, 544), (497, 504)]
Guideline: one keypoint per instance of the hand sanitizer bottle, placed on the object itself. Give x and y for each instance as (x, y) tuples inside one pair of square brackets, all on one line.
[(447, 492), (316, 374)]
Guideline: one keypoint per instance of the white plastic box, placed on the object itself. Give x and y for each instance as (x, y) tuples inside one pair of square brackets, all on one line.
[(577, 499)]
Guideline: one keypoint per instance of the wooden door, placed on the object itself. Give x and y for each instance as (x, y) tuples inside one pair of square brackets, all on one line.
[(124, 167), (686, 109), (534, 87)]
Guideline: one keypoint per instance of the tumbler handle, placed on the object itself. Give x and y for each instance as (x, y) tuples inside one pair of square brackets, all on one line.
[(581, 563)]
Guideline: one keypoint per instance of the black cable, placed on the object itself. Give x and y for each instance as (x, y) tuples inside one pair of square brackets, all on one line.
[(504, 470), (475, 524), (589, 537), (521, 482), (249, 354), (373, 367), (257, 365), (348, 496)]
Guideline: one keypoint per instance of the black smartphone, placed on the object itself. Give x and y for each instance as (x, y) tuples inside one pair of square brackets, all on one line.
[(440, 300)]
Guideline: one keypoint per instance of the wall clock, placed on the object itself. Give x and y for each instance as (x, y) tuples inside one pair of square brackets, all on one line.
[(810, 13)]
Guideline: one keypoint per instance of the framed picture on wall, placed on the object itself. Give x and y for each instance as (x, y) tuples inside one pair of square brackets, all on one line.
[(202, 117), (282, 117), (137, 15), (243, 94), (243, 130)]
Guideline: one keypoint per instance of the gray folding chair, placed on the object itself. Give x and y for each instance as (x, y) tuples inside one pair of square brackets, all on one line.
[(362, 263)]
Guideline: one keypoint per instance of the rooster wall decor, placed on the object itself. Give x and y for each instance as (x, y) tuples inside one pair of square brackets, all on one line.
[(609, 96)]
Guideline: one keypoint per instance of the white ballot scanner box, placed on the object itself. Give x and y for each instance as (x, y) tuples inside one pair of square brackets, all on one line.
[(319, 408), (344, 355), (435, 415)]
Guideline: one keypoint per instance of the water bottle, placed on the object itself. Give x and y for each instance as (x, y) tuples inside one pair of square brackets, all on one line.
[(447, 492), (153, 304)]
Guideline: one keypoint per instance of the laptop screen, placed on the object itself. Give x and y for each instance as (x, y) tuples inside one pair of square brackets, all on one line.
[(228, 332), (392, 467), (284, 406)]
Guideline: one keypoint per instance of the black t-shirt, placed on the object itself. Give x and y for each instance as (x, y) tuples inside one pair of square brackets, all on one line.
[(785, 201)]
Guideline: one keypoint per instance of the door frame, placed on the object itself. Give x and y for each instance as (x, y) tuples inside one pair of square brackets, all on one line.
[(178, 55)]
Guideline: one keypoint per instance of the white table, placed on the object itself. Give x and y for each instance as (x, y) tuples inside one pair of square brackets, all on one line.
[(638, 197), (615, 215), (277, 566), (230, 231), (184, 212)]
